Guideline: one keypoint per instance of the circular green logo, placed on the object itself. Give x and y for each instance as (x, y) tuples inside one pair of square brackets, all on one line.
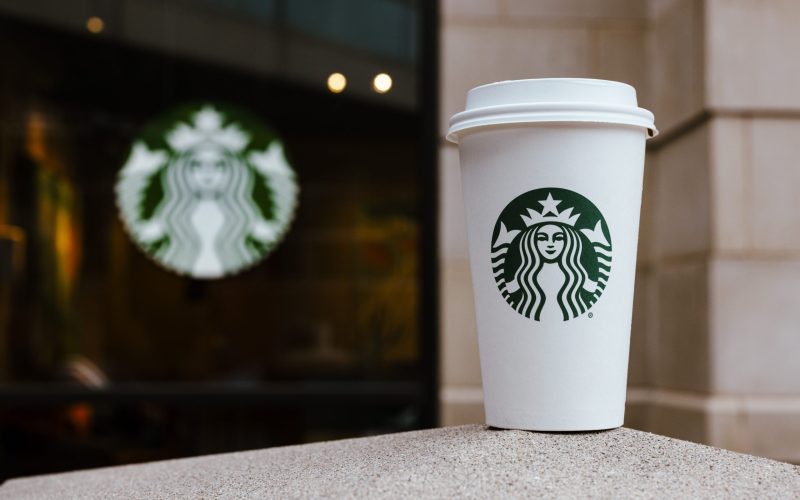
[(206, 191), (551, 254)]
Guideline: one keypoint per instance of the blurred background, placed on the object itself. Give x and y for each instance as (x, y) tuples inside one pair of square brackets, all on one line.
[(107, 358), (361, 321)]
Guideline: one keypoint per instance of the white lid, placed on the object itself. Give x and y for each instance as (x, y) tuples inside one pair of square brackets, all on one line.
[(551, 100)]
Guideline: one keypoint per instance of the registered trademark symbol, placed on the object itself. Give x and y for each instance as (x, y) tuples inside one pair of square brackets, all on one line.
[(591, 315)]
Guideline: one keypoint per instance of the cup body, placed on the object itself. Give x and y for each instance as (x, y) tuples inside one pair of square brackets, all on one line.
[(552, 214)]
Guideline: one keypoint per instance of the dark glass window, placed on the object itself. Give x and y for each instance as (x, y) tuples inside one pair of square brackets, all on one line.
[(107, 357)]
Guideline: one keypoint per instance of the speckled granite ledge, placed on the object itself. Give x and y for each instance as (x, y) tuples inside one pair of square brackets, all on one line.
[(456, 462)]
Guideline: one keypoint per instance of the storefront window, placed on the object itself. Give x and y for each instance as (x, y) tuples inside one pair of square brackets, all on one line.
[(327, 330)]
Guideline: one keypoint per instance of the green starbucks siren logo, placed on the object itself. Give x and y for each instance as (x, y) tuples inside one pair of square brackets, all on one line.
[(207, 192), (551, 254)]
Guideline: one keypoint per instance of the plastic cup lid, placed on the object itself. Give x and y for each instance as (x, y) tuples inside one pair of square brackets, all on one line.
[(551, 100)]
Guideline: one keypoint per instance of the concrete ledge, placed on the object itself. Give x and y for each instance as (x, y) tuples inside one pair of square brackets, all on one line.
[(454, 462), (762, 425)]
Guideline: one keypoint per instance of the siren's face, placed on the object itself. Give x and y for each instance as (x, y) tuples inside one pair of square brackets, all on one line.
[(209, 169), (550, 242)]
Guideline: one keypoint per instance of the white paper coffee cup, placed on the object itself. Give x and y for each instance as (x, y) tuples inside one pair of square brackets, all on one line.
[(552, 173)]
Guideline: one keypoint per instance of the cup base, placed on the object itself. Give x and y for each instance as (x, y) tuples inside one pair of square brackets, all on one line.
[(599, 426), (543, 431)]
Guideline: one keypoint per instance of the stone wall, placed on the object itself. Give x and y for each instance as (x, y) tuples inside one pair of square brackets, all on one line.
[(715, 346)]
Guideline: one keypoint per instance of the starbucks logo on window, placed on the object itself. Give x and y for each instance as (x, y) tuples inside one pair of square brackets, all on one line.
[(206, 191), (551, 254)]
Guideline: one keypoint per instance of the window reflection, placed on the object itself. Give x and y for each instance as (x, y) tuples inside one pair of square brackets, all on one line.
[(105, 356)]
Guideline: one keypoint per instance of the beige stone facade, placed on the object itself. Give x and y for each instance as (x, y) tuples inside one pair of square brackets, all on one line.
[(715, 349)]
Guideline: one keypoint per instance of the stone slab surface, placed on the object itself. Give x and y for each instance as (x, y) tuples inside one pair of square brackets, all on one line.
[(456, 462)]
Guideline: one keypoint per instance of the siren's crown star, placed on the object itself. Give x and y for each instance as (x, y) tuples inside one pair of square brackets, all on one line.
[(207, 128), (549, 207)]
